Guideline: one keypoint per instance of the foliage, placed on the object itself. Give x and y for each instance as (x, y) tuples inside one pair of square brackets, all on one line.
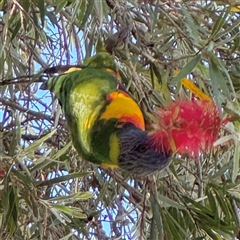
[(47, 191)]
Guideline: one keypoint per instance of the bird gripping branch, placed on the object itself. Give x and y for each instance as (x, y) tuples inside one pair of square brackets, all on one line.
[(107, 126), (105, 123)]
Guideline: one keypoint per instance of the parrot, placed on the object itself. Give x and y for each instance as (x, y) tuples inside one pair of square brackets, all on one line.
[(106, 124)]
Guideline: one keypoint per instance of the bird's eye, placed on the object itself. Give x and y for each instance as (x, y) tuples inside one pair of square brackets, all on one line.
[(141, 148)]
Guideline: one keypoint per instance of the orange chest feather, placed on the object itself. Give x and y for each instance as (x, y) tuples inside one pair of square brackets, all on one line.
[(124, 108)]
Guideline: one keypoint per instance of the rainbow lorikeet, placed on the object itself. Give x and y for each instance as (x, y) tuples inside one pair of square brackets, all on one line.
[(106, 125)]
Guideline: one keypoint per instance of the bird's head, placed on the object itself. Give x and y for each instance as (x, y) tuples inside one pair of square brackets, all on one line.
[(137, 154)]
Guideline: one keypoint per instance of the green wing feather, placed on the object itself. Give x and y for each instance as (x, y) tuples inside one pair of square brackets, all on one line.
[(82, 94)]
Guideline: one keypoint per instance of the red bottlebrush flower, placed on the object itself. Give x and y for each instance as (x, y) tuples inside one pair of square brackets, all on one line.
[(187, 127), (2, 173)]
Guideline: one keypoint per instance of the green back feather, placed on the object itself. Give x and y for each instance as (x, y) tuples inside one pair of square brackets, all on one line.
[(101, 60)]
